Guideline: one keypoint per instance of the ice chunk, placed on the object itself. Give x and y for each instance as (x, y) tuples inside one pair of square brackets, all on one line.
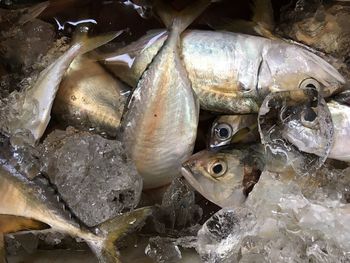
[(24, 45), (163, 250), (220, 237), (92, 174), (178, 211)]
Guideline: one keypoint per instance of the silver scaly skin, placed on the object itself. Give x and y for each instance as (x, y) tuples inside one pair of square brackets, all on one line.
[(230, 72), (160, 122)]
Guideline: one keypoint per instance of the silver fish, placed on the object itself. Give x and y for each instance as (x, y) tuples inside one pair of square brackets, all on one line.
[(226, 177), (90, 98), (230, 72), (296, 114), (160, 124), (307, 139), (231, 129)]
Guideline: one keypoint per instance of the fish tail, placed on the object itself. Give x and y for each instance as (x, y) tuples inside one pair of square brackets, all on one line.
[(32, 12), (182, 19), (90, 43), (115, 228)]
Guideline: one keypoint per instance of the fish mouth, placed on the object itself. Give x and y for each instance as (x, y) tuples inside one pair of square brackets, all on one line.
[(191, 178)]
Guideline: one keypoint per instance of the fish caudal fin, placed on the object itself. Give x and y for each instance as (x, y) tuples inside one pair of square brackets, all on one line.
[(90, 43), (181, 19), (32, 12), (114, 229)]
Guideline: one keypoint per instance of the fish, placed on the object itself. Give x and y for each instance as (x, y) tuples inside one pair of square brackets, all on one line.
[(160, 122), (231, 129), (231, 73), (300, 114), (225, 177), (304, 137), (33, 110), (35, 200), (90, 98)]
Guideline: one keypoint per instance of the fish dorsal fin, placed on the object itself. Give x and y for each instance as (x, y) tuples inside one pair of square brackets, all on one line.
[(262, 22), (183, 18), (263, 15)]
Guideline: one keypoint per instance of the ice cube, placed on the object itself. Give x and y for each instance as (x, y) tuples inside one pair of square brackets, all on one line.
[(93, 175)]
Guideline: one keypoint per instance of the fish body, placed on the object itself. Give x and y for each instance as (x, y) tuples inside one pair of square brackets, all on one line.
[(23, 198), (160, 124), (90, 98), (225, 177), (305, 138), (230, 72), (231, 129)]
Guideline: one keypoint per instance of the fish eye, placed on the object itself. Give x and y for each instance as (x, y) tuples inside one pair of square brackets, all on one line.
[(310, 83), (218, 169), (309, 118), (223, 131)]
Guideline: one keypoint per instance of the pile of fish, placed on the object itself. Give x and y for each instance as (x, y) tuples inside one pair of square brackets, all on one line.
[(257, 123)]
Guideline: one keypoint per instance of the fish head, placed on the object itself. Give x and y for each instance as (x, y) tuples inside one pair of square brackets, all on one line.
[(221, 177), (229, 129), (289, 67), (297, 130)]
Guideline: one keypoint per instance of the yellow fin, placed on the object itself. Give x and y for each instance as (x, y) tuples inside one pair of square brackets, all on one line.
[(182, 19), (91, 43), (114, 229), (11, 224), (263, 15)]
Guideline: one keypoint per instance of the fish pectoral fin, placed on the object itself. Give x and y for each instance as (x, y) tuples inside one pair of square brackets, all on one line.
[(114, 229), (182, 19), (11, 224), (32, 12)]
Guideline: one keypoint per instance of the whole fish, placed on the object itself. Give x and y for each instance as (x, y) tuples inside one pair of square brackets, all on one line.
[(33, 200), (225, 177), (230, 72), (308, 139), (160, 124), (30, 110), (90, 98), (231, 129)]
